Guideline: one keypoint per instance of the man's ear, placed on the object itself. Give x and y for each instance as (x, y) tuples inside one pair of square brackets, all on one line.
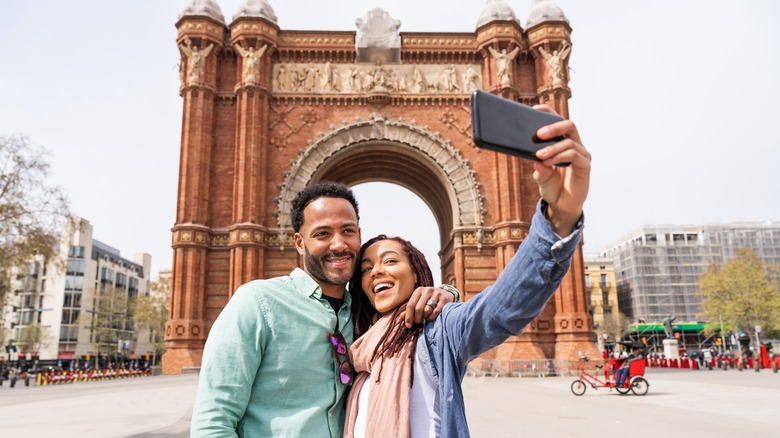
[(298, 239)]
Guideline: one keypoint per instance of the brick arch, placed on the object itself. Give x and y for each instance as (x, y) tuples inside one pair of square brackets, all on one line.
[(389, 150)]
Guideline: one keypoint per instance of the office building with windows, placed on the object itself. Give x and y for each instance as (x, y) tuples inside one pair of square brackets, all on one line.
[(77, 307), (657, 267)]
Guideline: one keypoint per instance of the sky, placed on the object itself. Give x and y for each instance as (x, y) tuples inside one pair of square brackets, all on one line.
[(676, 101)]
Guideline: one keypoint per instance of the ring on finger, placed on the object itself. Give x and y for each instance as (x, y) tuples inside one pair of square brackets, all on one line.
[(431, 303)]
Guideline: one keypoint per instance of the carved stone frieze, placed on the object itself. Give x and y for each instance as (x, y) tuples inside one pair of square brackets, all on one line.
[(219, 240), (419, 41), (367, 78)]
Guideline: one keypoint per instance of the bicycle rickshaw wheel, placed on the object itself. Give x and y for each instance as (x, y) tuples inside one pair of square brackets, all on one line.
[(578, 387), (639, 386), (623, 389)]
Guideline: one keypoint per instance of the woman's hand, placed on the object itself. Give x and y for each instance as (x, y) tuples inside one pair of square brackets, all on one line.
[(418, 309)]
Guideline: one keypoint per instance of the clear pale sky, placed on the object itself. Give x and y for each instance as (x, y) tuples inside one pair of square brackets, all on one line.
[(677, 101)]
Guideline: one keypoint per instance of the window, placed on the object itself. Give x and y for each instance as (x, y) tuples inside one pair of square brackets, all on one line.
[(121, 280), (26, 317), (72, 300), (132, 290), (34, 267), (74, 283), (70, 334), (70, 316), (76, 251), (75, 267), (107, 275), (28, 301)]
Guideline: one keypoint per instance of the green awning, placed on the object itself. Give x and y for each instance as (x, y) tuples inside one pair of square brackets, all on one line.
[(659, 328)]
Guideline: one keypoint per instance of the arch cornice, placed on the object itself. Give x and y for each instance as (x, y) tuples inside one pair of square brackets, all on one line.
[(454, 169)]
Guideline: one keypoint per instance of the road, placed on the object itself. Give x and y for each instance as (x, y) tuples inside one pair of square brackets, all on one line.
[(680, 403)]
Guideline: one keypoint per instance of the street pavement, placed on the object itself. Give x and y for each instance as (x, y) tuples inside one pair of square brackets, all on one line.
[(686, 403)]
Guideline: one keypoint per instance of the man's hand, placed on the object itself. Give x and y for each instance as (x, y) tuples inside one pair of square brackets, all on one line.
[(418, 308), (564, 188)]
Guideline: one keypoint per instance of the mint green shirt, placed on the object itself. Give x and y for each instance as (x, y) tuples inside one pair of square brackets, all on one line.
[(268, 368)]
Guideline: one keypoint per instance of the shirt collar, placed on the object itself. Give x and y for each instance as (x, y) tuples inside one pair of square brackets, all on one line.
[(304, 283)]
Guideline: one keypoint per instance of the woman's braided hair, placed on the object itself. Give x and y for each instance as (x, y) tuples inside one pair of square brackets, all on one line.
[(363, 312)]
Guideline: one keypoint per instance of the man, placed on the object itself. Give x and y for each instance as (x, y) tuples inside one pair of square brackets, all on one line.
[(274, 362), (624, 371)]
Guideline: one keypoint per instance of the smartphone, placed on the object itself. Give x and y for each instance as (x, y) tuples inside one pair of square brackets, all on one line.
[(509, 127)]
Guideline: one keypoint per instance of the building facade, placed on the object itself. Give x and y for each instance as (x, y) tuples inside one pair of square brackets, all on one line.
[(600, 282), (267, 111), (658, 267), (76, 308)]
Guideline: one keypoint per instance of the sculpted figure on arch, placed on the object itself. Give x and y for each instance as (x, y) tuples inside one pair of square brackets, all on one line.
[(554, 62), (251, 61), (195, 60), (504, 61)]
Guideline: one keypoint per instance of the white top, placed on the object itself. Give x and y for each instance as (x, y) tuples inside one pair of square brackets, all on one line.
[(423, 408)]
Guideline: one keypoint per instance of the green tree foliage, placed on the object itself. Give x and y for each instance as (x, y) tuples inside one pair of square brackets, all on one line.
[(33, 337), (152, 312), (742, 293), (111, 319), (31, 211)]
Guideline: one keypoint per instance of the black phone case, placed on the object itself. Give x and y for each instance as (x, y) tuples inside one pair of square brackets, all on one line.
[(509, 127)]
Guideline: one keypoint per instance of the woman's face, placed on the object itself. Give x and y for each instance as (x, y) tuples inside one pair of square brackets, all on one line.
[(387, 276)]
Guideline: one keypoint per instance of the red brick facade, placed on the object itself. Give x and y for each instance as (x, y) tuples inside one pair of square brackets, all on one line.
[(249, 146)]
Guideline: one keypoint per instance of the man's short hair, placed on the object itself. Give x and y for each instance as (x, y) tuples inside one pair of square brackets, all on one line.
[(322, 189)]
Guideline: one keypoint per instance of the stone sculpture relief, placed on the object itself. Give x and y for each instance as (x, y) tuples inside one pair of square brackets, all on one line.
[(554, 62), (376, 78), (251, 61), (504, 63), (377, 37), (195, 60), (470, 80)]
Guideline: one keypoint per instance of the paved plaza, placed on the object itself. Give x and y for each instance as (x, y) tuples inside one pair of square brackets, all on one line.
[(680, 403)]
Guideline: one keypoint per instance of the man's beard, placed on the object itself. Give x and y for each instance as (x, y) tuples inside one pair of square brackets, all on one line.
[(316, 267)]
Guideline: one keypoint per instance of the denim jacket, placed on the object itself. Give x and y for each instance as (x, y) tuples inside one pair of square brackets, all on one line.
[(463, 331)]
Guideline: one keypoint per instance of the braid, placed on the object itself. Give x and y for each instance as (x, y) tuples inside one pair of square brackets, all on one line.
[(393, 340)]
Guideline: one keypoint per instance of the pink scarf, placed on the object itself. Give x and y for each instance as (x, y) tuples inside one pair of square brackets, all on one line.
[(390, 395)]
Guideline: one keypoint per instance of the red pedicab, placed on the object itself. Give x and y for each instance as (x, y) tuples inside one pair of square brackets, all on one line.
[(635, 382)]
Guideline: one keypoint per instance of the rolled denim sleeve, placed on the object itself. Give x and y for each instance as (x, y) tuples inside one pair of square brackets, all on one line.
[(518, 295)]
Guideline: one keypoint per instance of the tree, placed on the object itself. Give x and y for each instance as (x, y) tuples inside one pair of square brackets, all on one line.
[(31, 211), (614, 324), (33, 337), (152, 312), (742, 293), (111, 320)]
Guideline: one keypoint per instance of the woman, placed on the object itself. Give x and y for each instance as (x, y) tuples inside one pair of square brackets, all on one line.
[(414, 375), (408, 382)]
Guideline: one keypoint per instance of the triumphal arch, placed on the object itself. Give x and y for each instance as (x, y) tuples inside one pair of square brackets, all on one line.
[(267, 111)]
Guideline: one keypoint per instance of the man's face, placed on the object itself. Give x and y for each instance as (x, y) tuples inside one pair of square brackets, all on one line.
[(329, 240)]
